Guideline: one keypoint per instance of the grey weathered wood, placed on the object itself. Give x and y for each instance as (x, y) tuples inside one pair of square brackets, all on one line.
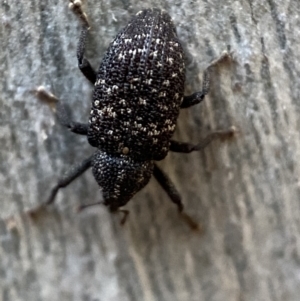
[(245, 192)]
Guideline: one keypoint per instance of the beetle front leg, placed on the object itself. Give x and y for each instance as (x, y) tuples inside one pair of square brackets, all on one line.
[(197, 97), (118, 210), (83, 64), (168, 186), (74, 172), (174, 195), (60, 110), (183, 147)]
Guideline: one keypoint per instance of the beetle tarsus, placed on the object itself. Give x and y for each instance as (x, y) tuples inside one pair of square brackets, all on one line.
[(76, 7)]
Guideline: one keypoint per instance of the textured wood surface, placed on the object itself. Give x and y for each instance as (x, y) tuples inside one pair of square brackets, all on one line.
[(244, 192)]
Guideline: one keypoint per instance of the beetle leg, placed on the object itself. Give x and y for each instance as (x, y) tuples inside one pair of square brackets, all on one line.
[(168, 186), (74, 172), (197, 97), (123, 211), (174, 195), (82, 207), (60, 110), (183, 147), (124, 217), (83, 64)]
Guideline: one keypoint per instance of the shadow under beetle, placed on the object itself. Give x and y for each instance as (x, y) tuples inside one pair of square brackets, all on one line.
[(137, 97)]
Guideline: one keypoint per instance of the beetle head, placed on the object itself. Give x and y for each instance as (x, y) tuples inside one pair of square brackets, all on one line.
[(120, 177)]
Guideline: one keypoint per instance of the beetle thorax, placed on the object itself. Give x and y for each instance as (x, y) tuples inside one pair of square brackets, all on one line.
[(120, 177)]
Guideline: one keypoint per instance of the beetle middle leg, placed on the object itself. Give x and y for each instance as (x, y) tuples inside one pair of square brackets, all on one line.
[(197, 97), (56, 105), (83, 64), (183, 147)]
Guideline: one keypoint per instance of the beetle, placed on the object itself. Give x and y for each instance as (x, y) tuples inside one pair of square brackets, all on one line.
[(138, 93)]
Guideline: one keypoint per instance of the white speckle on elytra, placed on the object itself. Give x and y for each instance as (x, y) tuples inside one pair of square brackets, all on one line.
[(148, 81), (154, 53), (142, 101), (171, 127), (170, 60), (96, 102)]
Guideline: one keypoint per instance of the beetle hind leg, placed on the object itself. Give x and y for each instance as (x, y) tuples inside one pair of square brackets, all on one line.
[(197, 97), (83, 64)]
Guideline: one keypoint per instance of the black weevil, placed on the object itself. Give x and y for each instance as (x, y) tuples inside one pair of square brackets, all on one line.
[(137, 97)]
